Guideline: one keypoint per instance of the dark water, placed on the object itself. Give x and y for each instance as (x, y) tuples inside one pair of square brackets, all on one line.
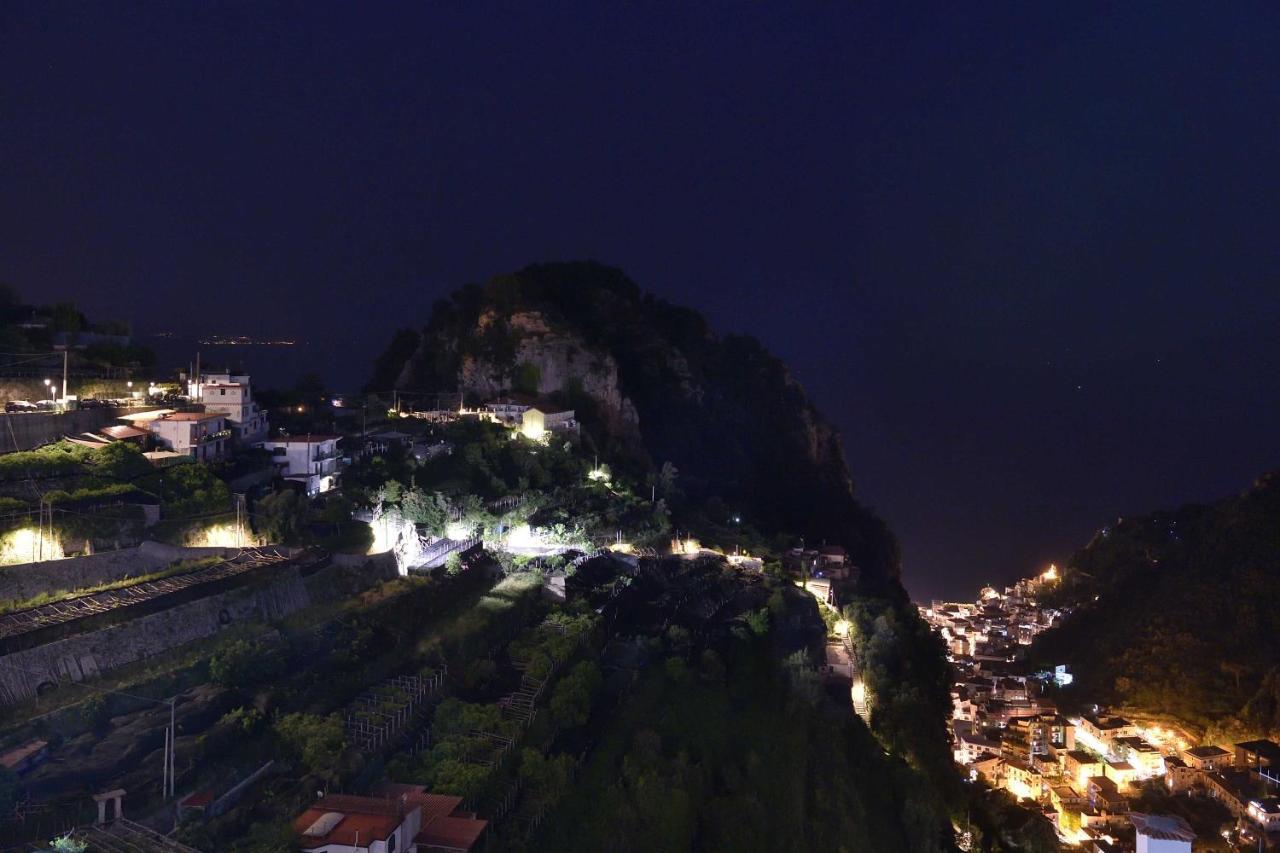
[(271, 366)]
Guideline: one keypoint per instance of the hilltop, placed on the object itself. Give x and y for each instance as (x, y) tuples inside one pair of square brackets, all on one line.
[(1144, 592), (652, 386)]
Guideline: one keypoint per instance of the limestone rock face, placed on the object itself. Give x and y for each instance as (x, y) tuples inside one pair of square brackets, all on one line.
[(560, 360)]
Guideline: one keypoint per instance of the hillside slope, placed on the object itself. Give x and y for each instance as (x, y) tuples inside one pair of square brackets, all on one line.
[(652, 384), (1160, 580)]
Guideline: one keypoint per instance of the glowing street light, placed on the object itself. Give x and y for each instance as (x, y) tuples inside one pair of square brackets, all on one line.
[(1051, 573)]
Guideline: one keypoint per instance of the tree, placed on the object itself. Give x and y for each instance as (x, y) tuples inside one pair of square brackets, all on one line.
[(574, 695), (67, 844), (667, 478), (240, 664), (429, 510), (545, 778), (317, 742), (94, 712), (281, 516), (758, 621)]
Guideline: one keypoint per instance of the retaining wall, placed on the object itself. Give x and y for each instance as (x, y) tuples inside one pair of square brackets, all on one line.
[(24, 673), (27, 430), (25, 580)]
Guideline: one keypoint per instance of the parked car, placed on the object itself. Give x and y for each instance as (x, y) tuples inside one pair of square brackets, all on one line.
[(46, 405), (91, 403), (19, 406)]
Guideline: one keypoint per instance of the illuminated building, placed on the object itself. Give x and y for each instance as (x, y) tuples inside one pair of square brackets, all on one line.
[(200, 435), (231, 394), (313, 461), (1162, 833)]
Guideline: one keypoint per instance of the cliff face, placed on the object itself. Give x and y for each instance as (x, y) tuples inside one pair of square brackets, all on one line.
[(651, 384)]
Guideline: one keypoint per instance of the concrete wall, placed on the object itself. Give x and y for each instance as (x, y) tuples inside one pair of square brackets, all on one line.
[(25, 580), (87, 655), (27, 430)]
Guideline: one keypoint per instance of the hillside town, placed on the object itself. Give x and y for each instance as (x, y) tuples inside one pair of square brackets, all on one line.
[(1085, 770), (172, 543)]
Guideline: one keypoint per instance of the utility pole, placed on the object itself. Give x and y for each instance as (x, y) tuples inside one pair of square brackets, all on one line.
[(65, 352), (173, 752)]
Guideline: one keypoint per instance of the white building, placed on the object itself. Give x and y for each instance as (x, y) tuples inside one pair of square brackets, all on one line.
[(536, 422), (531, 418), (312, 460), (1162, 833), (231, 394), (508, 412), (200, 435), (1266, 813)]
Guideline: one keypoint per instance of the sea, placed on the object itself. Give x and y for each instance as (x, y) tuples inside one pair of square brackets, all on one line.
[(274, 364)]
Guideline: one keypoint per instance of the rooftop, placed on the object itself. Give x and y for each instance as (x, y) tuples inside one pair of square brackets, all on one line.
[(451, 833), (345, 819), (1162, 827), (120, 432), (310, 438), (191, 416), (1207, 752), (16, 756)]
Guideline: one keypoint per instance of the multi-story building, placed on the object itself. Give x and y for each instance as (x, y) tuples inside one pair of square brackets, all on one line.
[(1207, 758), (1100, 733), (200, 435), (313, 461), (231, 394)]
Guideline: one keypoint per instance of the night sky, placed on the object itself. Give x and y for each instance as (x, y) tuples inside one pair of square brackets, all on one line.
[(1025, 256)]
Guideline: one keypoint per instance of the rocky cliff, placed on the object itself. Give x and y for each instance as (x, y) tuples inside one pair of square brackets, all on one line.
[(652, 384)]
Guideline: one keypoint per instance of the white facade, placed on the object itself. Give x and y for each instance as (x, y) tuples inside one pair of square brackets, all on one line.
[(200, 435), (231, 394), (312, 460), (507, 412), (1161, 833)]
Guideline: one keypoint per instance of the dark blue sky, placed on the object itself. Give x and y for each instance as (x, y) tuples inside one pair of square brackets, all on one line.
[(1024, 255)]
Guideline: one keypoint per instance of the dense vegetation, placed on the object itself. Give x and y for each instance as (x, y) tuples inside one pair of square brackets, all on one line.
[(728, 752), (1159, 582)]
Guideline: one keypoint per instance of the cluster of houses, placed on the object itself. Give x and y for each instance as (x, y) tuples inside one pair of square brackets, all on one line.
[(221, 419), (1082, 770)]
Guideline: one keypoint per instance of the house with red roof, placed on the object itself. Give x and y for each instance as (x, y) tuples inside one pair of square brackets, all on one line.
[(396, 819)]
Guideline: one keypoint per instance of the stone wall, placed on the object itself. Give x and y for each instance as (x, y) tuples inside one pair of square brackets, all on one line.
[(25, 672), (27, 430), (25, 580)]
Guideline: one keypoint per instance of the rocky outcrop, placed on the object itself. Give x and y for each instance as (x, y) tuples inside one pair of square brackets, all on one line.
[(552, 361), (651, 384)]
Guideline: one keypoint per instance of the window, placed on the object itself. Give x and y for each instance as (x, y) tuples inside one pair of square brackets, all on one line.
[(391, 843)]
